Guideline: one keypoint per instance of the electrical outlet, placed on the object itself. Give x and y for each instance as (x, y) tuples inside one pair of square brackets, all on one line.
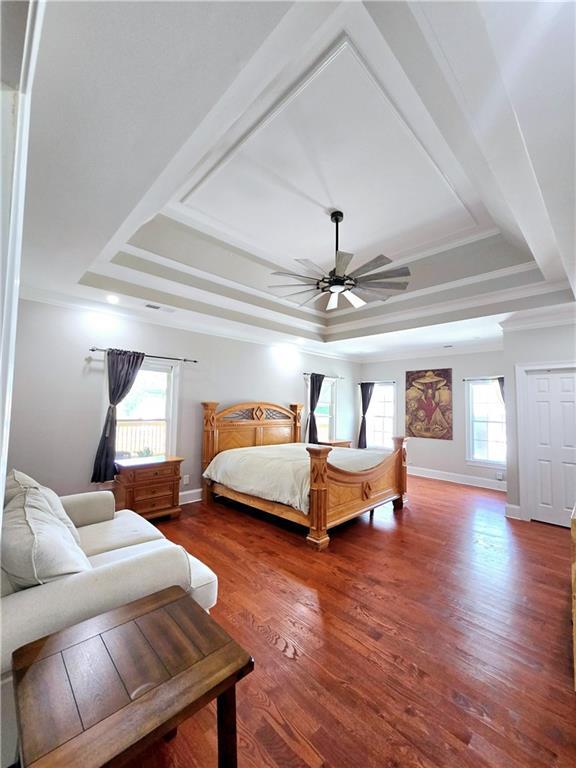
[(499, 475), (186, 480)]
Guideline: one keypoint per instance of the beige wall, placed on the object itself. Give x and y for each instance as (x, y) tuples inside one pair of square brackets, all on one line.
[(541, 345), (59, 397), (441, 455)]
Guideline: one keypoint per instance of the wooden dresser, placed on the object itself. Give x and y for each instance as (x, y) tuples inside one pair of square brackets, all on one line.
[(149, 486)]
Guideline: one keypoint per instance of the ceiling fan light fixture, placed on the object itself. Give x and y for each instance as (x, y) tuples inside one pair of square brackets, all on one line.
[(359, 286)]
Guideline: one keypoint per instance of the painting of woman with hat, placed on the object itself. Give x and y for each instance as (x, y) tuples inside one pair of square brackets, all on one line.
[(429, 404)]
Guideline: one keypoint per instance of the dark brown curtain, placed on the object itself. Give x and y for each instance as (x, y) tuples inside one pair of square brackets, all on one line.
[(316, 380), (122, 369), (366, 390), (501, 385)]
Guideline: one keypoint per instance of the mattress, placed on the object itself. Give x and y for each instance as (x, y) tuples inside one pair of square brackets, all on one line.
[(281, 473)]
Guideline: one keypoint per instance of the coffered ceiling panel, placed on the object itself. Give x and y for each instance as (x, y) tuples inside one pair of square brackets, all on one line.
[(335, 141)]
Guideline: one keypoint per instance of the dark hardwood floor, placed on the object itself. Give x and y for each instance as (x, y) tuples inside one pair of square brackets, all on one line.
[(436, 636)]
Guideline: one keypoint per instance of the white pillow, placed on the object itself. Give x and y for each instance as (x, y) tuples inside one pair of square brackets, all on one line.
[(36, 546), (17, 482)]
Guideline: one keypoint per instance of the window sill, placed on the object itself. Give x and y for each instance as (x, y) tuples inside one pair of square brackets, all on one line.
[(486, 463)]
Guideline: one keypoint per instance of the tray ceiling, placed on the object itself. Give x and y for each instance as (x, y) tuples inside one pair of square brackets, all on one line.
[(335, 141), (197, 185)]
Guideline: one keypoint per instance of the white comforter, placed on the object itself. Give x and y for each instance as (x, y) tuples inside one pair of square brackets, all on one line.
[(281, 472)]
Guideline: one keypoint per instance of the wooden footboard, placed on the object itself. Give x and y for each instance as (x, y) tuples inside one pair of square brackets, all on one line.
[(336, 495)]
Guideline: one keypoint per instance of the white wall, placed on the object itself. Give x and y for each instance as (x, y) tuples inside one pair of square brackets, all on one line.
[(541, 345), (59, 397), (443, 456)]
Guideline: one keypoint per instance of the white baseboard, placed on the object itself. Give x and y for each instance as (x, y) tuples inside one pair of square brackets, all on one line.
[(452, 477), (188, 497), (514, 512)]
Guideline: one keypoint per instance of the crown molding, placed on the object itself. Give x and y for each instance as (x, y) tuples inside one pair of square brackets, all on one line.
[(484, 300), (473, 348), (546, 317), (136, 315)]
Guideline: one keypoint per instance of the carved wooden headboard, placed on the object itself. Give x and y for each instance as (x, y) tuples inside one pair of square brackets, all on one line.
[(248, 424)]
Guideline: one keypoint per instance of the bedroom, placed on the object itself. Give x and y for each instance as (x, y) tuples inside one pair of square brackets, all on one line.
[(435, 630)]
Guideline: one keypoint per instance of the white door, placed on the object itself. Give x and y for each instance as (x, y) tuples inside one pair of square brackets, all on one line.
[(552, 444)]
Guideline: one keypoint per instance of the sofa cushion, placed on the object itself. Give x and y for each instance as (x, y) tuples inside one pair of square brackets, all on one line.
[(203, 581), (37, 547), (125, 553), (7, 586), (124, 530), (17, 482)]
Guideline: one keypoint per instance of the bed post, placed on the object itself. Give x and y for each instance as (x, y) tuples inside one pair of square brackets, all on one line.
[(400, 448), (318, 533), (208, 448), (296, 409)]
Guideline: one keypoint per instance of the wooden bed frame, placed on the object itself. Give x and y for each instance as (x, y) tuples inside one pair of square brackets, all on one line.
[(336, 495)]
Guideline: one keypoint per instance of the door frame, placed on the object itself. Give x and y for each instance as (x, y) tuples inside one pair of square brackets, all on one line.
[(521, 377), (12, 252)]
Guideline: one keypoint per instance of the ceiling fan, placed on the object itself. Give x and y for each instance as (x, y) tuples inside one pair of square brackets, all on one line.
[(358, 287)]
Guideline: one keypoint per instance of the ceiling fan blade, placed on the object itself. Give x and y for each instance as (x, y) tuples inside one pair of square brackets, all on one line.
[(356, 301), (315, 297), (372, 294), (342, 261), (307, 290), (312, 267), (377, 261), (390, 286), (333, 301), (291, 285), (388, 273), (310, 278)]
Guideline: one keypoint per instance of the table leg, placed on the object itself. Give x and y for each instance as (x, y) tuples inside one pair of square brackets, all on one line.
[(171, 734), (226, 708)]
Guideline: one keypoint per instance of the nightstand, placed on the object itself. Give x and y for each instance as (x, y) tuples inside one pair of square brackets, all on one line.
[(149, 486), (337, 443)]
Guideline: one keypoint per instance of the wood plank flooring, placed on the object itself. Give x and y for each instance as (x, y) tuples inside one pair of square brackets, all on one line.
[(433, 637)]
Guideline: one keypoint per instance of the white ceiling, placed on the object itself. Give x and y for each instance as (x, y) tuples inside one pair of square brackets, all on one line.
[(180, 151), (335, 141)]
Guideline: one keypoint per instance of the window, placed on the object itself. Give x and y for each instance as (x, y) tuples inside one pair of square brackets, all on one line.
[(380, 416), (325, 411), (146, 418), (486, 422)]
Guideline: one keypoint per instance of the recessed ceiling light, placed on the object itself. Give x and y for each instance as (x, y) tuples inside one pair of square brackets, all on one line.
[(112, 299)]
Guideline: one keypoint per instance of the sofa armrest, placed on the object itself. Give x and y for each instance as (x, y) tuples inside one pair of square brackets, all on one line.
[(38, 611), (88, 508)]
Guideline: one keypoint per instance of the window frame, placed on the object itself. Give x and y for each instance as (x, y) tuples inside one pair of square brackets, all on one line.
[(334, 405), (488, 463), (173, 370), (393, 383)]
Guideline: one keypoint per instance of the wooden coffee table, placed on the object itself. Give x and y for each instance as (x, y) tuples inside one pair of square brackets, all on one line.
[(101, 691)]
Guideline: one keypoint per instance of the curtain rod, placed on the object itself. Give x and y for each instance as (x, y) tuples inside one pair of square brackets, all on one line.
[(154, 357), (482, 378), (326, 377)]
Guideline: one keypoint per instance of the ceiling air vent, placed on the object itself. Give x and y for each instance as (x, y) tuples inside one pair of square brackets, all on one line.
[(158, 308)]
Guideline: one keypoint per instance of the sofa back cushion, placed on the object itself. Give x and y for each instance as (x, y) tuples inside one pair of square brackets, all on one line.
[(36, 545), (17, 482)]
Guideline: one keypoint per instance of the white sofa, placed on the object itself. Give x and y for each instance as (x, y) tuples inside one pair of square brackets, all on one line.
[(130, 558)]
